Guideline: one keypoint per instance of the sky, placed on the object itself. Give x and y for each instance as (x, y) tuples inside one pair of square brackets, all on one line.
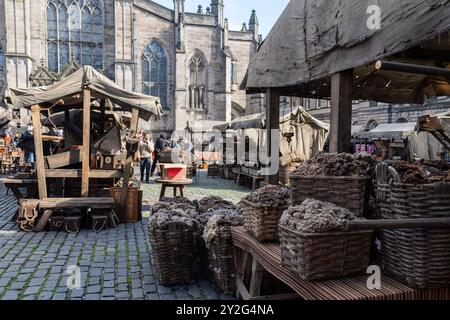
[(238, 11)]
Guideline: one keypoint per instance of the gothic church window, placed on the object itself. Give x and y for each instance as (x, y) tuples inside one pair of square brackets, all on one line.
[(74, 32), (154, 72), (234, 79), (197, 82), (2, 71)]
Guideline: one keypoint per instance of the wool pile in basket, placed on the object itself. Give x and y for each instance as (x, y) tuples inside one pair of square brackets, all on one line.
[(315, 246)]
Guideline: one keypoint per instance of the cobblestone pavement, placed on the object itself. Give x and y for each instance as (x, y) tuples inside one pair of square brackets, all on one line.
[(205, 187), (114, 264)]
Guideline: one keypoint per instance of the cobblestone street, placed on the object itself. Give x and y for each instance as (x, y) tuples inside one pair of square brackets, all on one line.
[(114, 264)]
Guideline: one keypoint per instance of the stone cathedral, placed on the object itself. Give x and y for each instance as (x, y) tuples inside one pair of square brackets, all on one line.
[(192, 61)]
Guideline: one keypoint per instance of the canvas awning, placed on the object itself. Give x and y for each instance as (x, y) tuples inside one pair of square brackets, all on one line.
[(258, 121), (314, 39), (70, 91), (391, 131)]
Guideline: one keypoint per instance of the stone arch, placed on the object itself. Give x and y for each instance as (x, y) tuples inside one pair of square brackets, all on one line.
[(372, 124), (237, 111)]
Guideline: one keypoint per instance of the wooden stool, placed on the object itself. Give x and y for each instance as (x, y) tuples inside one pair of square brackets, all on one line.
[(175, 184)]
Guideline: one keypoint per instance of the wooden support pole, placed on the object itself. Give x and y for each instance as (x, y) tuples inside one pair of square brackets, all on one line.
[(341, 111), (103, 115), (85, 154), (39, 151), (273, 123), (128, 165)]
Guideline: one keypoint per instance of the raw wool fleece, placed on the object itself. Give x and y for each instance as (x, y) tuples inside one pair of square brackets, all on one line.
[(220, 225), (214, 203), (160, 219), (314, 216), (336, 164), (422, 173), (270, 196)]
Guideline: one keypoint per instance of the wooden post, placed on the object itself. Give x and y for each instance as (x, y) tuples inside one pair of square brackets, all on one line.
[(273, 123), (103, 115), (128, 165), (341, 111), (85, 154), (39, 151)]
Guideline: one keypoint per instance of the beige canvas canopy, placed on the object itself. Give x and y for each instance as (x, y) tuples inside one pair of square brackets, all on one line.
[(69, 91), (314, 39), (301, 135)]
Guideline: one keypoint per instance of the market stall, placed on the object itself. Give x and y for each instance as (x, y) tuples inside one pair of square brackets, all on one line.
[(401, 141), (301, 137), (86, 107), (404, 61)]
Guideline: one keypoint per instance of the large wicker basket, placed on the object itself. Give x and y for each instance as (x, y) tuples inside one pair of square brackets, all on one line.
[(172, 253), (323, 256), (419, 258), (262, 221), (346, 192), (221, 257)]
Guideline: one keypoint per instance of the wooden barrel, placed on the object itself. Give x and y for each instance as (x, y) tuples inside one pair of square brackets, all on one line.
[(133, 210)]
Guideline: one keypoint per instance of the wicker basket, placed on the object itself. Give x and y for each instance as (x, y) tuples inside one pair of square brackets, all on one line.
[(221, 257), (419, 258), (323, 256), (172, 253), (346, 192), (285, 173), (262, 221)]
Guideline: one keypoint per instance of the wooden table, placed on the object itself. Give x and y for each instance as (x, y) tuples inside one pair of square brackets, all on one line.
[(175, 184), (16, 184), (268, 257)]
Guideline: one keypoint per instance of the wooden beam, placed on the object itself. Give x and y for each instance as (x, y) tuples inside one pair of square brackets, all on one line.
[(341, 112), (273, 123), (411, 68), (128, 164), (85, 153), (77, 174), (39, 151)]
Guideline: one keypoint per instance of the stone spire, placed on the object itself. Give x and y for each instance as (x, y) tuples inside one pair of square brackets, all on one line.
[(179, 21), (244, 27), (254, 25), (217, 10), (200, 9)]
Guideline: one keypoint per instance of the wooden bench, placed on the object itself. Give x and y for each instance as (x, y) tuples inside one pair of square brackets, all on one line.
[(256, 180), (81, 203), (268, 257), (50, 204)]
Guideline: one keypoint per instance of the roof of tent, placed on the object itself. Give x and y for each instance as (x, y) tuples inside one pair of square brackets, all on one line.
[(70, 91), (303, 49), (258, 121), (390, 131)]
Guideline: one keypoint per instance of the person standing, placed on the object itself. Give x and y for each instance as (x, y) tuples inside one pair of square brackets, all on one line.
[(160, 145), (146, 148)]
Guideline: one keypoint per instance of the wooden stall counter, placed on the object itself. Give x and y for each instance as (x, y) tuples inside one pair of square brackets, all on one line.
[(268, 257)]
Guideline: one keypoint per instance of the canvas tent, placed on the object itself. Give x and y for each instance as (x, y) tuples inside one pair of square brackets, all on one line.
[(420, 145), (71, 89), (301, 135), (313, 40)]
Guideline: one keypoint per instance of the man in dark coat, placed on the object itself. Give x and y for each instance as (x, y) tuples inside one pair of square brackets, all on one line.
[(160, 144)]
